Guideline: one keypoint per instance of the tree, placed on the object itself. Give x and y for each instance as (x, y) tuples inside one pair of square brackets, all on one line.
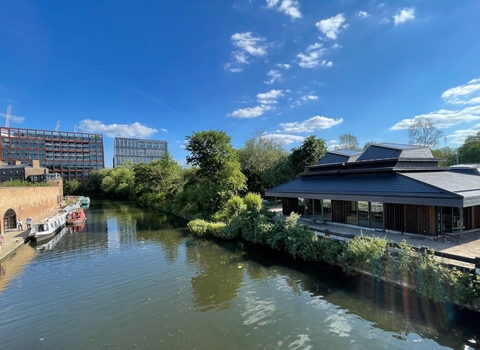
[(309, 153), (469, 152), (348, 141), (218, 176), (368, 144), (424, 132), (447, 153), (258, 155), (210, 151), (71, 187)]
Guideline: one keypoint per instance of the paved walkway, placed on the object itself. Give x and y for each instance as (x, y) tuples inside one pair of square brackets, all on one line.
[(13, 238)]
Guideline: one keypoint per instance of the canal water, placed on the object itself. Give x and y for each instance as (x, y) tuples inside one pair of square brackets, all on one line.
[(133, 278)]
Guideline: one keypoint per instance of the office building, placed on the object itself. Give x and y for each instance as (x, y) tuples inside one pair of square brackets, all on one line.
[(72, 154), (137, 150)]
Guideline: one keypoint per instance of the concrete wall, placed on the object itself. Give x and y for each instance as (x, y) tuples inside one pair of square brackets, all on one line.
[(29, 201)]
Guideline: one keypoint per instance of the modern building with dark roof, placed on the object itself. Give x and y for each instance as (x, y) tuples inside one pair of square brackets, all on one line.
[(387, 187)]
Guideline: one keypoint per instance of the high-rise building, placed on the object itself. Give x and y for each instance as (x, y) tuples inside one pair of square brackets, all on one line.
[(72, 154), (137, 150)]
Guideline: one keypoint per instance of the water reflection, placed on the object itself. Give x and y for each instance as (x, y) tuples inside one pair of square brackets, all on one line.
[(140, 280), (220, 274)]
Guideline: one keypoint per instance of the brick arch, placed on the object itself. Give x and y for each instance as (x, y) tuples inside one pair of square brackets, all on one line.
[(9, 219), (29, 201)]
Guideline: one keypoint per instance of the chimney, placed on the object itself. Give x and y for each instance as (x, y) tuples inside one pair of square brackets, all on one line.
[(35, 163), (18, 162)]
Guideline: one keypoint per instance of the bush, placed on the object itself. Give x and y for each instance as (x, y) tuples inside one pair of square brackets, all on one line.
[(202, 228), (365, 253)]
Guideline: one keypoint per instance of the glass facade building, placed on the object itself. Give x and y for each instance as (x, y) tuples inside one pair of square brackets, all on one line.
[(72, 154), (137, 150)]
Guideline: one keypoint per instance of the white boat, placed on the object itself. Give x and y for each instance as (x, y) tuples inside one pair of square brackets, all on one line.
[(47, 228), (54, 241)]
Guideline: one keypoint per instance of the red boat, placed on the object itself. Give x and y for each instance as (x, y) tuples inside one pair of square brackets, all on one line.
[(76, 217)]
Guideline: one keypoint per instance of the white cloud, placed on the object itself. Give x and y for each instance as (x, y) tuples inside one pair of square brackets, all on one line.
[(310, 96), (310, 125), (274, 75), (284, 138), (363, 14), (331, 26), (304, 99), (269, 97), (246, 42), (13, 118), (407, 14), (336, 46), (288, 7), (459, 136), (164, 130), (314, 47), (463, 94), (116, 130), (443, 118), (283, 65), (265, 100), (247, 45), (249, 112)]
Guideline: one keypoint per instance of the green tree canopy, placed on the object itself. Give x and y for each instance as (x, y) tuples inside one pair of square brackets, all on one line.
[(469, 152), (309, 153), (258, 155)]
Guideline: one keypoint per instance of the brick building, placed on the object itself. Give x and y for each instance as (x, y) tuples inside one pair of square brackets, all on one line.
[(74, 155)]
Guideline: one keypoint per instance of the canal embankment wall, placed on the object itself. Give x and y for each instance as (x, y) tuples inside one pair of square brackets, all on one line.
[(30, 202)]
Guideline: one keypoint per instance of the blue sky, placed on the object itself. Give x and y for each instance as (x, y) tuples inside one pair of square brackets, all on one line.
[(292, 68)]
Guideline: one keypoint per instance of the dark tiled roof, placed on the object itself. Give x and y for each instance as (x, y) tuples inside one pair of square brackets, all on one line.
[(392, 150), (340, 156), (407, 188)]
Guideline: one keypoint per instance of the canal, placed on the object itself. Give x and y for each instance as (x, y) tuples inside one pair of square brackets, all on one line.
[(133, 278)]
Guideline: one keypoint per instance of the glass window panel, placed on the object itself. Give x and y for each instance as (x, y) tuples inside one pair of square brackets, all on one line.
[(327, 209), (376, 218), (363, 214)]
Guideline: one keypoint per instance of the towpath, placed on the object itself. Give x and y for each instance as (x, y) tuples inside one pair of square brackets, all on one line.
[(13, 238)]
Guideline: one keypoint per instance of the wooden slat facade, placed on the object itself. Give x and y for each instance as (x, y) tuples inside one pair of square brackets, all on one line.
[(338, 211), (421, 219), (393, 217)]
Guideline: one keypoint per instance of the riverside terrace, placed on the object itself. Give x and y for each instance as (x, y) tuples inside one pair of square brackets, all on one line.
[(388, 187)]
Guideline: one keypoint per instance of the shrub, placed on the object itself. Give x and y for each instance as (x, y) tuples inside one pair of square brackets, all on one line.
[(203, 228), (365, 253)]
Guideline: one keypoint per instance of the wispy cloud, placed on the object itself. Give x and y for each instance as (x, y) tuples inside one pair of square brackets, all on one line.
[(467, 94), (332, 26), (164, 130), (407, 14), (116, 130), (274, 75), (13, 118), (310, 125), (304, 99), (247, 46), (464, 94), (288, 7), (283, 65), (363, 14), (284, 138), (312, 59)]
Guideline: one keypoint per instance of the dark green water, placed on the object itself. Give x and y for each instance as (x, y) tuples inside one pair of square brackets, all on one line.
[(134, 279)]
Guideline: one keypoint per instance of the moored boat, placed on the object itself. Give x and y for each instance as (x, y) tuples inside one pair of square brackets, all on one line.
[(85, 201), (76, 216), (47, 228)]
